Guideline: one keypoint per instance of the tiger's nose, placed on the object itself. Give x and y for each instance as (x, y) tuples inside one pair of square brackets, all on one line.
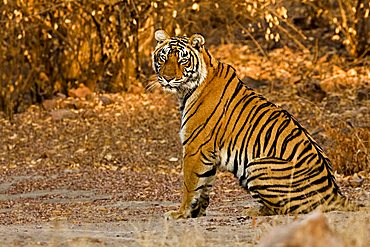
[(168, 77)]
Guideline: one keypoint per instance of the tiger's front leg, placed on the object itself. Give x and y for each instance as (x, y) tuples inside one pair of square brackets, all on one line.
[(198, 180)]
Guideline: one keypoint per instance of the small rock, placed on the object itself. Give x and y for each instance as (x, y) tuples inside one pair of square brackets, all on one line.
[(356, 180), (88, 114), (295, 79), (253, 83), (50, 104), (314, 231), (108, 157), (352, 72), (335, 83), (332, 101), (81, 92), (311, 89), (60, 96), (363, 94), (362, 174), (105, 100), (63, 114)]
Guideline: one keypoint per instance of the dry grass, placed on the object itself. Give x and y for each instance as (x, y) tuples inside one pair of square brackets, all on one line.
[(209, 231), (344, 228)]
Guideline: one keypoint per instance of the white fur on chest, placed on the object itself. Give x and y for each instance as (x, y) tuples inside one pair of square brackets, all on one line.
[(182, 134)]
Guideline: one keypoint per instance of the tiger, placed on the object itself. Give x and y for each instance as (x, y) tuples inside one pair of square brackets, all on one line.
[(227, 125)]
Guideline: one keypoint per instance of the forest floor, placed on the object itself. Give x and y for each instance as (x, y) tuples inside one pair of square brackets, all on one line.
[(102, 171)]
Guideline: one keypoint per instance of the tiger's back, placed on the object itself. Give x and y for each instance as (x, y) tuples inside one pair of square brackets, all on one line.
[(226, 124)]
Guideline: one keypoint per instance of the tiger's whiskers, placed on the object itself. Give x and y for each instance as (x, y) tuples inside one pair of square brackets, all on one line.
[(153, 84)]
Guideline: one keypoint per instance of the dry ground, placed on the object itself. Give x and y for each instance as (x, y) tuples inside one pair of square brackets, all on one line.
[(102, 171)]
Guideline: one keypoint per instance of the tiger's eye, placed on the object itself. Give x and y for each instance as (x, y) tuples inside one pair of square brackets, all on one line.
[(184, 61)]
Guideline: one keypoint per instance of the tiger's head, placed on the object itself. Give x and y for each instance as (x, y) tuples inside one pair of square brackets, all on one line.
[(178, 62)]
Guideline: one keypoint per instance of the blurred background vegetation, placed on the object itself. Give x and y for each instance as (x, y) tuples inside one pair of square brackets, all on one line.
[(51, 46)]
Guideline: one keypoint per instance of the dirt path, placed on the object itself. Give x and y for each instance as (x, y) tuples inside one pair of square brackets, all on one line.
[(216, 229), (102, 172), (58, 211)]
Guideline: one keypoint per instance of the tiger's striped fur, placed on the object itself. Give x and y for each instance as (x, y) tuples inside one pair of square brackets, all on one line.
[(226, 124)]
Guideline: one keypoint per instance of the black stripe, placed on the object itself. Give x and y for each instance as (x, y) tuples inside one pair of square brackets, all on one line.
[(243, 146), (258, 176), (212, 135), (209, 57), (201, 187), (302, 161), (227, 70), (235, 165), (318, 181), (191, 115), (282, 127), (304, 151), (293, 153), (313, 174), (313, 156), (218, 131), (207, 174), (222, 69), (228, 154), (202, 126), (268, 134), (257, 147), (196, 63), (321, 189), (250, 98), (289, 138), (185, 99), (242, 113), (268, 202), (252, 128), (295, 207), (226, 108), (301, 199), (231, 99), (266, 161), (266, 140), (206, 161), (231, 116), (309, 173)]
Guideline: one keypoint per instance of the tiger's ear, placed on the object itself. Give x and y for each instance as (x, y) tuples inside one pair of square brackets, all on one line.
[(197, 41), (161, 35)]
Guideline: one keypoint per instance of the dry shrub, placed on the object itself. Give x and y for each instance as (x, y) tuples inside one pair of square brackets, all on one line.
[(349, 20), (233, 21), (350, 148), (52, 46)]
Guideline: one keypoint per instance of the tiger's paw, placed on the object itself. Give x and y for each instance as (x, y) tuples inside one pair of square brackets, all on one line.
[(175, 215)]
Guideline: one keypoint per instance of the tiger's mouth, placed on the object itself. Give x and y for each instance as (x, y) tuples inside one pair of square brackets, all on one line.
[(180, 86), (172, 85)]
